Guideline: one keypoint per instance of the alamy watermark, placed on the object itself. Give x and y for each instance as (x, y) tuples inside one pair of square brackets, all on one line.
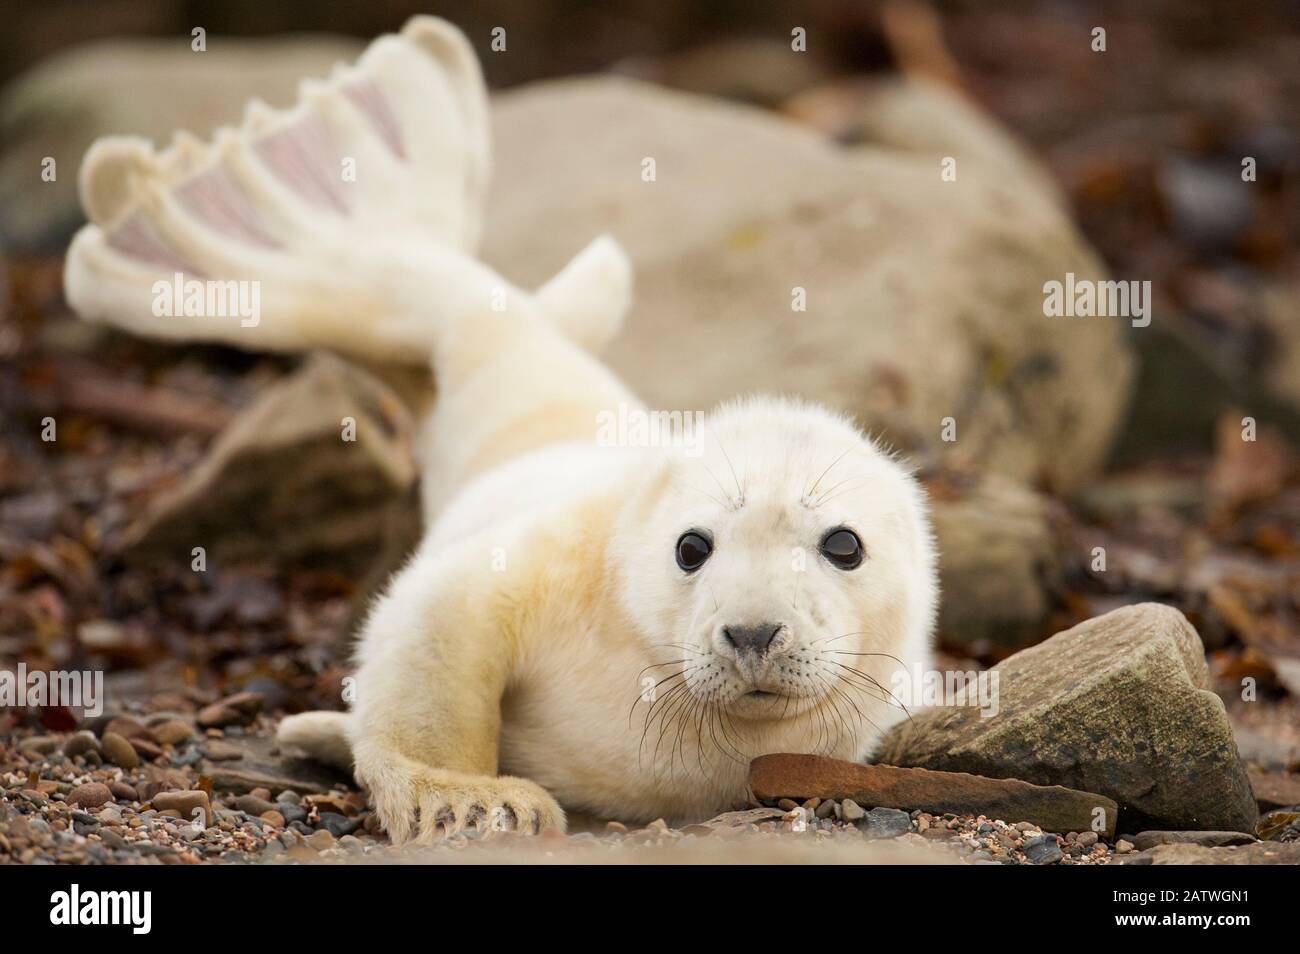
[(191, 298), (953, 688), (69, 688), (631, 426), (133, 909), (1084, 298)]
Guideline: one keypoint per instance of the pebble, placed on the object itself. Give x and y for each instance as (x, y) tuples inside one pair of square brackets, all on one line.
[(219, 751), (146, 748), (289, 795), (852, 811), (340, 825), (787, 804), (90, 795), (239, 709), (272, 817), (172, 732), (125, 727), (184, 802), (119, 751), (826, 808), (320, 840), (1086, 839), (254, 805), (1043, 850), (885, 823), (291, 812), (79, 743), (39, 744), (1123, 847), (123, 791)]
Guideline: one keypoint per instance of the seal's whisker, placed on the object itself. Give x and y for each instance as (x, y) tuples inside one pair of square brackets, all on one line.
[(720, 503), (861, 714), (664, 706), (889, 697), (740, 491), (731, 504), (813, 489), (658, 701)]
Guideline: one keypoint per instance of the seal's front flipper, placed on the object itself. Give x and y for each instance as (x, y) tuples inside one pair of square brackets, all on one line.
[(350, 220)]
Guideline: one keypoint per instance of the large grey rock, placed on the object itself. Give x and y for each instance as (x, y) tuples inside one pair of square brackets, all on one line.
[(318, 465), (1118, 705), (924, 297)]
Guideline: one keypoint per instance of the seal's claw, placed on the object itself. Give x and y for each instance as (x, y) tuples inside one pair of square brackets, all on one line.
[(425, 804)]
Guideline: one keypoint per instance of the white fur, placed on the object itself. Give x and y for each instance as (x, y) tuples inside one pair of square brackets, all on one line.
[(518, 637)]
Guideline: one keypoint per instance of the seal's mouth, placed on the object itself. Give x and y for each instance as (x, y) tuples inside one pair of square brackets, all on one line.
[(761, 694)]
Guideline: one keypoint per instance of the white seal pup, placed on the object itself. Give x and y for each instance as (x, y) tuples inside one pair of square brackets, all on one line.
[(609, 619)]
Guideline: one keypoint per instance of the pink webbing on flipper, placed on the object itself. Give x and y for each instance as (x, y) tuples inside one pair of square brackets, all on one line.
[(303, 158), (136, 238), (373, 104), (217, 199)]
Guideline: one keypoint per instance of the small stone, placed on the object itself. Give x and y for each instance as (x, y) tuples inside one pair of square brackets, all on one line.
[(1086, 839), (787, 804), (884, 823), (36, 798), (826, 808), (1025, 826), (320, 840), (90, 795), (291, 812), (79, 743), (1043, 850), (253, 805), (184, 803), (219, 751), (340, 825), (272, 817), (172, 732), (851, 811), (616, 826), (119, 751), (126, 727), (1123, 847), (123, 791), (289, 795), (239, 709), (38, 745)]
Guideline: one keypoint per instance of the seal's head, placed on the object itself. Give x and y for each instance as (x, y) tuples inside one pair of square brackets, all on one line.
[(788, 563)]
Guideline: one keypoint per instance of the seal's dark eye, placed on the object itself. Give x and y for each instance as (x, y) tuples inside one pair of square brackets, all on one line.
[(693, 548), (843, 548)]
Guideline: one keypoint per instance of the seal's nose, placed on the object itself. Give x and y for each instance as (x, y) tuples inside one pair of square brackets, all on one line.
[(747, 639)]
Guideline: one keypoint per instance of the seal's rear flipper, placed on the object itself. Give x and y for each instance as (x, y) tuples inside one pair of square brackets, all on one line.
[(321, 735), (349, 220)]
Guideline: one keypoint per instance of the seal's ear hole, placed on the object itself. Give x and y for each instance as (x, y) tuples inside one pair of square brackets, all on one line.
[(693, 548), (842, 547)]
